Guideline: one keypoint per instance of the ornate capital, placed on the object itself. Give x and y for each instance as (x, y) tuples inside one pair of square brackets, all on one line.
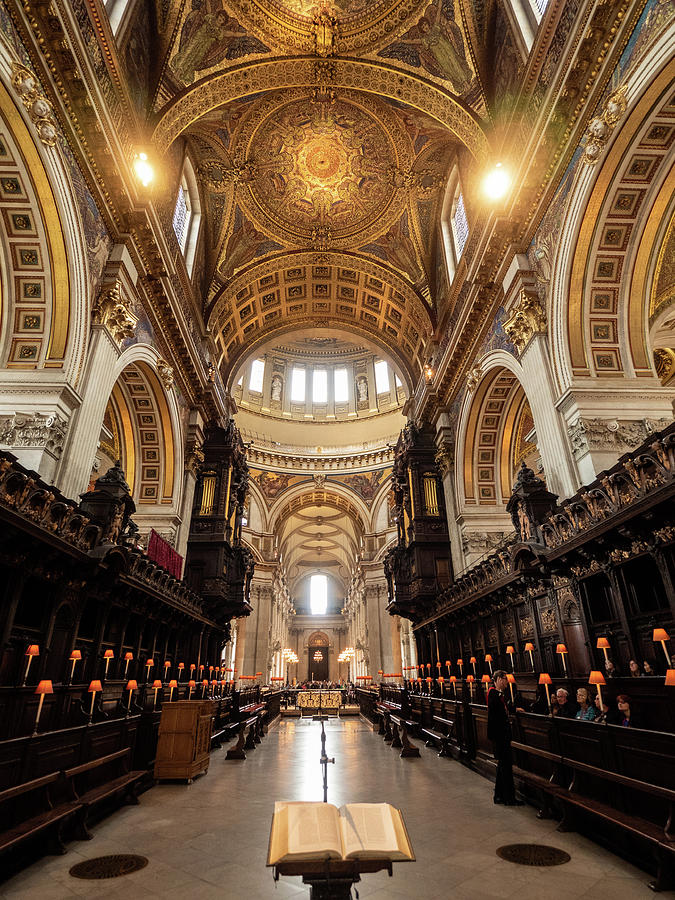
[(445, 459), (473, 379), (47, 432), (165, 373), (527, 319), (112, 312)]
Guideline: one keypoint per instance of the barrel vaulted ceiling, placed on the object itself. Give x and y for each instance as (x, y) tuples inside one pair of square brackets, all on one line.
[(322, 135)]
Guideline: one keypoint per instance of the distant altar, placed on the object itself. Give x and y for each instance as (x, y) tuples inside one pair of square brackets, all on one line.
[(319, 699)]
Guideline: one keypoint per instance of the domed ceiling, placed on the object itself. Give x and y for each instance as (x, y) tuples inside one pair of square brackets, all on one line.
[(322, 133)]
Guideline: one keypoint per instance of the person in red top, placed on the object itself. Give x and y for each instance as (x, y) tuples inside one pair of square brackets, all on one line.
[(499, 732)]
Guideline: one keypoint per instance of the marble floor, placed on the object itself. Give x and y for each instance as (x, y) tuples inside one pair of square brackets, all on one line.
[(209, 839)]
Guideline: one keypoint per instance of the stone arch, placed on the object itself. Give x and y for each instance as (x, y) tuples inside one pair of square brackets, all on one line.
[(299, 72), (44, 260), (149, 433), (599, 295)]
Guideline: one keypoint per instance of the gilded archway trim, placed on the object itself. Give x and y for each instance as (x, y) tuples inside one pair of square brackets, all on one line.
[(583, 357), (351, 74)]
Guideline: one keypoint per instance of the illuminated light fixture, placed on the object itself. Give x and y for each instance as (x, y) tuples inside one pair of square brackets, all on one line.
[(429, 371), (143, 169), (496, 183)]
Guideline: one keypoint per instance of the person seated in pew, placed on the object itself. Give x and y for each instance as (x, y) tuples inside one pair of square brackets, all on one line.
[(540, 704), (586, 711), (562, 706), (634, 670), (649, 668), (612, 670), (627, 718)]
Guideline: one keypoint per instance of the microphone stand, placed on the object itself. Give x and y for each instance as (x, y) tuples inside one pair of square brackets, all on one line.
[(324, 761)]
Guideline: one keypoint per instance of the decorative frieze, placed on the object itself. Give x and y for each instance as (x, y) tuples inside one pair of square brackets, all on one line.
[(613, 435), (39, 108), (601, 127), (165, 372), (35, 431)]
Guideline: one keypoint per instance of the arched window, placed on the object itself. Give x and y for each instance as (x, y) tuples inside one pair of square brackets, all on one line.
[(455, 225), (524, 17), (116, 10), (187, 215)]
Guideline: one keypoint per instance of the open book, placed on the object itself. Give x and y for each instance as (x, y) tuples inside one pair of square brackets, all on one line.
[(308, 831)]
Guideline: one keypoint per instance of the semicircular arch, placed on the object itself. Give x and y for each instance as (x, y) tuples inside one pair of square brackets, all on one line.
[(307, 71)]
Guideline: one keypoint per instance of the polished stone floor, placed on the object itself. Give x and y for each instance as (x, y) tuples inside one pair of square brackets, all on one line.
[(209, 840)]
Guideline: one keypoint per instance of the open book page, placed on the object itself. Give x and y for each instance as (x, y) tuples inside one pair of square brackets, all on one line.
[(305, 831), (372, 830)]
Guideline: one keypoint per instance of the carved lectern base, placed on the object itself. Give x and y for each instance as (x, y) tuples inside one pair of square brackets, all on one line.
[(332, 880)]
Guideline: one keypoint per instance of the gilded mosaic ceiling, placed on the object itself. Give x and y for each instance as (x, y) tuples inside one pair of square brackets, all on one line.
[(326, 128)]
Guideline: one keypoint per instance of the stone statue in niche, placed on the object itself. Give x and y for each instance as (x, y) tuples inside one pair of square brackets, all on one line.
[(362, 389), (277, 385)]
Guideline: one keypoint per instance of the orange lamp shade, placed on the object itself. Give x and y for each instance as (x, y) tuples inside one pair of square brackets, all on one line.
[(447, 662), (108, 654), (128, 656), (132, 686), (510, 649), (529, 646), (472, 659), (94, 687), (440, 679), (205, 683), (460, 662), (561, 648), (510, 678), (596, 678), (670, 678), (429, 680), (603, 643), (192, 684), (486, 678), (181, 665), (438, 664), (76, 654), (34, 650), (149, 662), (545, 678), (173, 684), (428, 665), (167, 663), (660, 634), (44, 687), (470, 678), (157, 684), (192, 667), (488, 657), (453, 678), (419, 681)]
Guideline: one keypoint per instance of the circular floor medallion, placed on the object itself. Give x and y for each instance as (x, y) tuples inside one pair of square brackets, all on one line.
[(533, 855), (109, 866)]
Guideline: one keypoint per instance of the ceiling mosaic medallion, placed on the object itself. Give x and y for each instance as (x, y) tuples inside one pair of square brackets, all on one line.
[(324, 172)]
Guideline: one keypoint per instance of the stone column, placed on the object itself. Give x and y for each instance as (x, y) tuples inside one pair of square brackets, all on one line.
[(445, 460), (112, 322)]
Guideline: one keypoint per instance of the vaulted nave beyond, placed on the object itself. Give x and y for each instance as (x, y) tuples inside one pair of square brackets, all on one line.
[(337, 378)]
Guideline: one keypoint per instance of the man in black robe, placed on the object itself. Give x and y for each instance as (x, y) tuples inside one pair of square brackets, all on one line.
[(499, 732)]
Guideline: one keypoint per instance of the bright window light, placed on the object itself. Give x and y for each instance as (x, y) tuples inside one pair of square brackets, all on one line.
[(341, 385), (397, 381), (381, 377), (255, 382), (181, 215), (241, 381), (318, 594), (298, 386), (541, 6), (320, 386), (460, 225)]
